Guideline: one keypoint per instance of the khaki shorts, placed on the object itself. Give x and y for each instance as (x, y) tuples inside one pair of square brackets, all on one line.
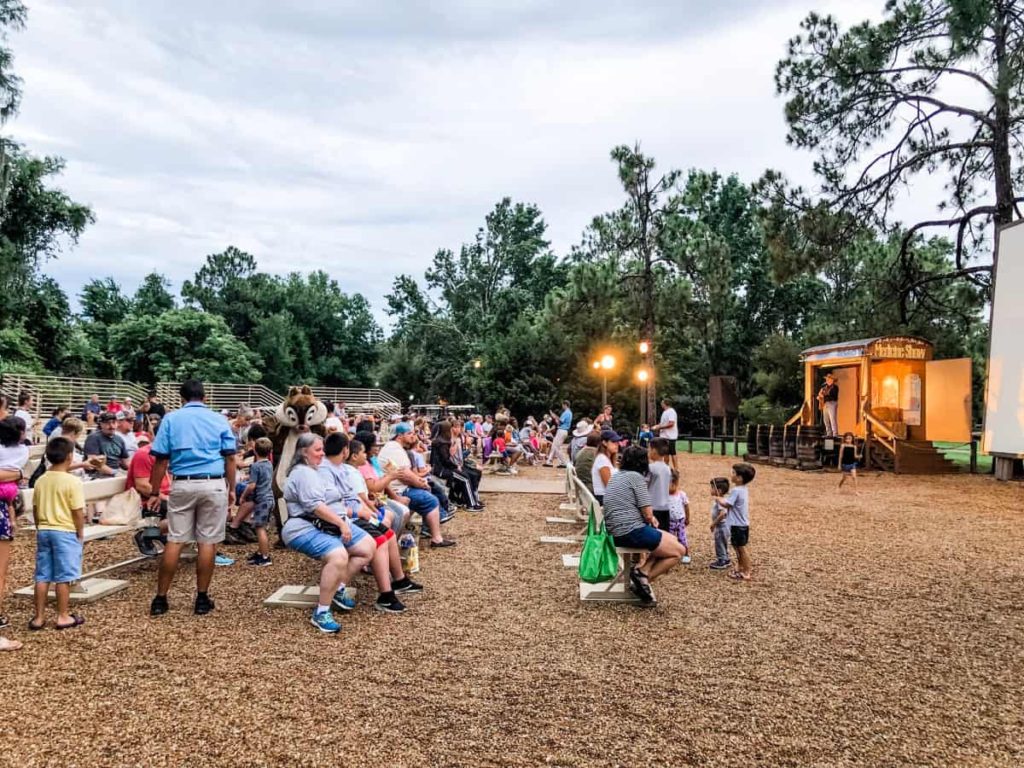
[(197, 510)]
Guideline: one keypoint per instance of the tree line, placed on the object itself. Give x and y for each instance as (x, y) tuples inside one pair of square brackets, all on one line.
[(721, 275)]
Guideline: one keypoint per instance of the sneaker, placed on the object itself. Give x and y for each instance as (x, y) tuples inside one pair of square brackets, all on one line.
[(685, 560), (720, 565), (394, 605), (223, 560), (203, 605), (447, 517), (260, 561), (342, 601), (4, 622), (232, 537), (159, 606), (475, 510), (406, 586), (325, 622)]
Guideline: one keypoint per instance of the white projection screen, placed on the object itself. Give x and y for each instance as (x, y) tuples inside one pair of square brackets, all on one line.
[(1003, 433)]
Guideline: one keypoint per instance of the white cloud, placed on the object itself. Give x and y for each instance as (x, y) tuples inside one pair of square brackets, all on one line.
[(359, 138)]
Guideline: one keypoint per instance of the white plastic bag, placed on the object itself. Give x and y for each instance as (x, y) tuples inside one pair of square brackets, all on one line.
[(123, 509)]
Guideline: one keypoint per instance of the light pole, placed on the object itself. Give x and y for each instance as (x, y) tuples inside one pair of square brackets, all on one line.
[(642, 376), (605, 364)]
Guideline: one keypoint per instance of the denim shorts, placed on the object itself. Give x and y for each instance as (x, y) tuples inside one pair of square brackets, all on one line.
[(421, 501), (261, 513), (317, 544), (58, 557), (647, 537)]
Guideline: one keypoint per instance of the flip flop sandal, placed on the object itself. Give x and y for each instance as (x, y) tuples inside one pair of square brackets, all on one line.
[(36, 627), (737, 576), (78, 621)]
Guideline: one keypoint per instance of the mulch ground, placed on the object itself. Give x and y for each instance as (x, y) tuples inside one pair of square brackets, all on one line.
[(882, 629)]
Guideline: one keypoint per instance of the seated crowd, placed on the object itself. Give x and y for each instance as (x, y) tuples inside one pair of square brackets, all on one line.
[(349, 495)]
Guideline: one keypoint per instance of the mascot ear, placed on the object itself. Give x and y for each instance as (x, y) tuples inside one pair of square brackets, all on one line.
[(293, 391), (285, 414), (305, 390)]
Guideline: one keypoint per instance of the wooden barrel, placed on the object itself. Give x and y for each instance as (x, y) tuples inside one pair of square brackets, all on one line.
[(762, 440), (775, 441), (752, 439), (808, 445), (789, 443)]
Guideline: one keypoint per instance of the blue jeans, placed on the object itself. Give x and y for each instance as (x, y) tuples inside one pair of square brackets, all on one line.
[(722, 542), (421, 501)]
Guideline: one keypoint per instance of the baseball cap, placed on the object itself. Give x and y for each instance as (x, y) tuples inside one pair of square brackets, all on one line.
[(123, 416), (108, 416), (402, 429), (611, 435)]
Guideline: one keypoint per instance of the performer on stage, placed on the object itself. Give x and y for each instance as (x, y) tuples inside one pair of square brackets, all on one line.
[(828, 400)]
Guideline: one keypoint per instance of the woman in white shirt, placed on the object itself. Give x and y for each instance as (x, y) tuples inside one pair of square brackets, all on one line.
[(604, 464)]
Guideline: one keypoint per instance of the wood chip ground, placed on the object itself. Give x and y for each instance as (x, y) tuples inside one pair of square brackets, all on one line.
[(882, 629)]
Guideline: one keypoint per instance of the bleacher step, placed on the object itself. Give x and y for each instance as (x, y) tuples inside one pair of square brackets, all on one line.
[(561, 539), (300, 596), (607, 592), (84, 592)]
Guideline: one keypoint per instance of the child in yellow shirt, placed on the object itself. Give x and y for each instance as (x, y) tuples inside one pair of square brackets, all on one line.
[(59, 509)]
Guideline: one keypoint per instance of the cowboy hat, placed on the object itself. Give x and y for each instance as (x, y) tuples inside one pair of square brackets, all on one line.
[(583, 428)]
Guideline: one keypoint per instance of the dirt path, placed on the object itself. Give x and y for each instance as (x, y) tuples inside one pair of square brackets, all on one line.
[(883, 629)]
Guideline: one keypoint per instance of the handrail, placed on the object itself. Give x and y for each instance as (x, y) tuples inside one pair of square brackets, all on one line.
[(882, 427), (797, 416)]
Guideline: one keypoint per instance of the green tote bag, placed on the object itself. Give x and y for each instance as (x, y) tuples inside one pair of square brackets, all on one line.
[(598, 561)]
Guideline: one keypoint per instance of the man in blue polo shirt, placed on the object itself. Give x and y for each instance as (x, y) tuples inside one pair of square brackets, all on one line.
[(197, 446), (558, 444)]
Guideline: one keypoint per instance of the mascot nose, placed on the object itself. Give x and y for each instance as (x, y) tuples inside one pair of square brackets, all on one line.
[(303, 428)]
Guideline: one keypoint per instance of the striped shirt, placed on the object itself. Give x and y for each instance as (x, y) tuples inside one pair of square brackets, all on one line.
[(625, 496)]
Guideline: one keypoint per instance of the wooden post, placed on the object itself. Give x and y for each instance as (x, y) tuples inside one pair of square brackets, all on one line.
[(974, 456), (690, 441), (735, 437)]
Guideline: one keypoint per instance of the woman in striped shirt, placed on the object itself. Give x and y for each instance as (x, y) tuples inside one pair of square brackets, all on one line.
[(630, 520)]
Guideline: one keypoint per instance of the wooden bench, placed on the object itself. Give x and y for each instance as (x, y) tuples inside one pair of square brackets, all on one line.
[(93, 585), (297, 595), (617, 590)]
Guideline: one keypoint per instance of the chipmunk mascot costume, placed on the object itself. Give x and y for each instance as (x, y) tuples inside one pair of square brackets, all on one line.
[(300, 412)]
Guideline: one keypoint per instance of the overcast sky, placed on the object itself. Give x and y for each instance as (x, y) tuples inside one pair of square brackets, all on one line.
[(360, 137)]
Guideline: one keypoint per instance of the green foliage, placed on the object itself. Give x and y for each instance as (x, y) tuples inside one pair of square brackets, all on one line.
[(18, 351), (935, 87), (12, 17), (153, 296), (181, 344)]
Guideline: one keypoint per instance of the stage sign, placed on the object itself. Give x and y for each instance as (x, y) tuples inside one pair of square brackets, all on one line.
[(895, 348)]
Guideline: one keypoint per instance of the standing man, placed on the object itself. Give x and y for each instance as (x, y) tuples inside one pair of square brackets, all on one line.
[(558, 444), (197, 446), (828, 398), (668, 427), (24, 412), (153, 406)]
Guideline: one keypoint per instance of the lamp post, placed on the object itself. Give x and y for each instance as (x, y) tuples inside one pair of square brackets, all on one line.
[(644, 376), (605, 364)]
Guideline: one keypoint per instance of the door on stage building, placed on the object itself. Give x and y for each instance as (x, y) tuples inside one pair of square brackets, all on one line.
[(848, 379)]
